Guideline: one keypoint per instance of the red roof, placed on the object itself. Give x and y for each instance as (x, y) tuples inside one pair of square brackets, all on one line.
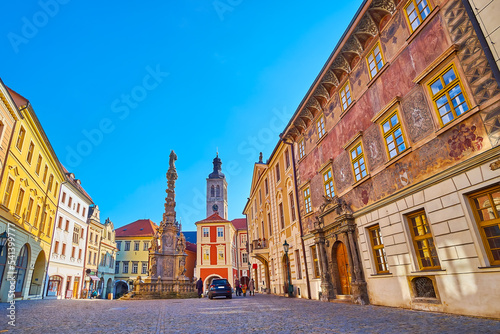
[(20, 100), (139, 228), (190, 246), (214, 218), (76, 184), (240, 223)]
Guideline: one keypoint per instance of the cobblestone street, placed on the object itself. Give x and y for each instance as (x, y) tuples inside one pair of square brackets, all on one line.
[(237, 315)]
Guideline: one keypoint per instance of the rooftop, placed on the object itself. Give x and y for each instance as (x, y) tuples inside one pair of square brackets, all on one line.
[(139, 228)]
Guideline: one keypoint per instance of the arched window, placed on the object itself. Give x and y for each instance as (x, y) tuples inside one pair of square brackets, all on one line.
[(21, 266), (218, 191), (212, 191)]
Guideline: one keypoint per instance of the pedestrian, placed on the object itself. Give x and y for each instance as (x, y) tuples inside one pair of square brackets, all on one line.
[(199, 286), (237, 287), (251, 287), (244, 289)]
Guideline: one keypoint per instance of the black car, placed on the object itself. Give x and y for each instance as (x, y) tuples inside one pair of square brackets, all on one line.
[(220, 287)]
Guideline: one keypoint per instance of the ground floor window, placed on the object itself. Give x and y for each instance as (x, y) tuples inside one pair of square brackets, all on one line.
[(21, 267), (54, 286)]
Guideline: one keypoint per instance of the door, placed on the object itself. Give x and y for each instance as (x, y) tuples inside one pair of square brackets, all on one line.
[(75, 287), (344, 272)]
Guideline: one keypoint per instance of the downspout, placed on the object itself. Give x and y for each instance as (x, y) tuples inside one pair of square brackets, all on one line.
[(300, 219), (482, 40)]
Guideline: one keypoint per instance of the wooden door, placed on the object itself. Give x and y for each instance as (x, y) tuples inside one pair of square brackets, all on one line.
[(75, 287), (344, 272)]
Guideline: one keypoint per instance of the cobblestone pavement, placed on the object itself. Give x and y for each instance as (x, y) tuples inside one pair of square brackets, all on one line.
[(261, 313)]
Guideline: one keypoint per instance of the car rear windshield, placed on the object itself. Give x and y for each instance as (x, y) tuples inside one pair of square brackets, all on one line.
[(219, 282)]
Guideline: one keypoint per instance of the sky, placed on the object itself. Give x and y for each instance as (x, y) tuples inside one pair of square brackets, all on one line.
[(118, 84)]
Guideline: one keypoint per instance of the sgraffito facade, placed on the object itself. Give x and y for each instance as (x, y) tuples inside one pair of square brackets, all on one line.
[(396, 145)]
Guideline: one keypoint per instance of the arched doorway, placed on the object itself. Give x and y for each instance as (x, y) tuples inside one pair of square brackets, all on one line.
[(100, 289), (285, 265), (55, 283), (109, 287), (38, 273), (121, 288), (209, 280), (344, 271), (21, 270)]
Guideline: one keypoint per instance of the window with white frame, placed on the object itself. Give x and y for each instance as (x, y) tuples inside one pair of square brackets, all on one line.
[(220, 232)]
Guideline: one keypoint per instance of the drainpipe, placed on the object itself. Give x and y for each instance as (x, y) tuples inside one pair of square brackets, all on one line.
[(300, 219), (482, 40)]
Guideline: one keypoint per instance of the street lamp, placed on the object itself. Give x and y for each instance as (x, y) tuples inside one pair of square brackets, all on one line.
[(286, 246)]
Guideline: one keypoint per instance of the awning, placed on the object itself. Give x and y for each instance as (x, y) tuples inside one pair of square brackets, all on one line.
[(94, 278)]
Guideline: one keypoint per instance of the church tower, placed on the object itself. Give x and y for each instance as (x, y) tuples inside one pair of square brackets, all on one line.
[(217, 191)]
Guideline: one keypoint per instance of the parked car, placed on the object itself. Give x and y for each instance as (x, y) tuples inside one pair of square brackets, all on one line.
[(220, 287)]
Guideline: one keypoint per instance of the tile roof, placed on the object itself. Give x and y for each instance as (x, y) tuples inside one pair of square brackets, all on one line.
[(240, 223), (20, 100), (77, 185), (214, 218), (139, 228), (190, 246)]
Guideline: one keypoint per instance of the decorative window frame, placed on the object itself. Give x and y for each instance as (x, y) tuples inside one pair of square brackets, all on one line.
[(205, 261), (373, 248), (342, 89), (223, 249), (349, 147), (405, 13), (372, 50), (301, 143), (321, 130)]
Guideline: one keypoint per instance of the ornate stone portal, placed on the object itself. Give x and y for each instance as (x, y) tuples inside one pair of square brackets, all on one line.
[(167, 259)]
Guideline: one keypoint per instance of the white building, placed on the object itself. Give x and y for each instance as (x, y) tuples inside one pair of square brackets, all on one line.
[(66, 264)]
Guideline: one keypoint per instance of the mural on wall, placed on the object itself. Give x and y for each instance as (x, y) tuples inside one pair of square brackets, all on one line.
[(477, 70), (372, 141), (342, 172), (417, 116), (394, 32), (464, 141)]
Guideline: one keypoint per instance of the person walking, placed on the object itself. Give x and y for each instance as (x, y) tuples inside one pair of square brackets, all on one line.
[(199, 286), (237, 287), (251, 287)]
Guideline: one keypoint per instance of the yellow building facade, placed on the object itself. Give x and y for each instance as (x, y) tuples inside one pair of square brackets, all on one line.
[(273, 218), (29, 190)]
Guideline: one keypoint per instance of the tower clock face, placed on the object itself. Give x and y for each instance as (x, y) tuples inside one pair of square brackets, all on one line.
[(215, 207)]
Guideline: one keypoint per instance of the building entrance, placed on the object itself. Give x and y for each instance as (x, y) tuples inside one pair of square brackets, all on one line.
[(343, 267)]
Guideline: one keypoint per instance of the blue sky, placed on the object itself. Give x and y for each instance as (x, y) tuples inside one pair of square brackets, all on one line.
[(117, 85)]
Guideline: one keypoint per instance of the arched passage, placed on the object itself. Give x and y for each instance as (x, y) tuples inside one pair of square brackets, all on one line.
[(265, 263), (38, 274), (21, 269), (121, 288), (208, 280), (109, 287)]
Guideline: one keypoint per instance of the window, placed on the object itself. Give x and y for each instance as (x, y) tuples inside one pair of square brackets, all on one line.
[(244, 258), (63, 197), (117, 267), (56, 247), (19, 204), (95, 257), (292, 206), (119, 245), (146, 245), (302, 148), (378, 249), (20, 138), (51, 181), (29, 156), (486, 207), (393, 135), (278, 176), (45, 171), (59, 222), (42, 220), (307, 200), (287, 159), (416, 12), (135, 266), (27, 216), (76, 234), (221, 255), (55, 188), (136, 246), (206, 254), (79, 254), (220, 232), (90, 258), (315, 262), (270, 224), (63, 251), (49, 229), (206, 232), (8, 192), (212, 191), (345, 96), (298, 266), (73, 252), (83, 211), (423, 241), (320, 124), (266, 186), (37, 214), (96, 238), (358, 162), (144, 268), (243, 239), (70, 201), (81, 233), (67, 225), (78, 208), (217, 191), (125, 267), (282, 216), (260, 196), (328, 183), (38, 164), (447, 95), (375, 60), (127, 246)]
